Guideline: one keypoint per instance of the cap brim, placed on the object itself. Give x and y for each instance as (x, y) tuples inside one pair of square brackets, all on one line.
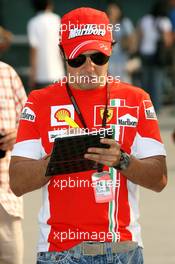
[(73, 50)]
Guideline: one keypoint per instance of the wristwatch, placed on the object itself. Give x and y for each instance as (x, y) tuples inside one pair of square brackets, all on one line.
[(123, 162)]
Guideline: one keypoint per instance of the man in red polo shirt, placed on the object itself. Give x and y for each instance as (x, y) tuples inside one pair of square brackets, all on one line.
[(79, 223)]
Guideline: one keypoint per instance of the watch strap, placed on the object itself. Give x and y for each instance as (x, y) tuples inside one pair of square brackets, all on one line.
[(123, 162)]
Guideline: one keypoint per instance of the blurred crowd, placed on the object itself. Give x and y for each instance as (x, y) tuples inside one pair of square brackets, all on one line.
[(143, 54)]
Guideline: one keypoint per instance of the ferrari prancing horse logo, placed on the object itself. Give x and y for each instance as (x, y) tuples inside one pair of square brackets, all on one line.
[(99, 112), (109, 114)]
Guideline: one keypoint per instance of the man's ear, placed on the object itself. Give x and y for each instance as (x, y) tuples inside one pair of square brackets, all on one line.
[(113, 42), (62, 52)]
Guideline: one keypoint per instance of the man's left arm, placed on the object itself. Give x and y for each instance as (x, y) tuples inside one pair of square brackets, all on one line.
[(149, 172), (146, 165)]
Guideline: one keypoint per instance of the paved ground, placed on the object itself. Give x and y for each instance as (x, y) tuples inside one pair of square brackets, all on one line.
[(157, 210)]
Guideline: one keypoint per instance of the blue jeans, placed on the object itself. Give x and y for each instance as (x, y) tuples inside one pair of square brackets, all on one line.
[(132, 257)]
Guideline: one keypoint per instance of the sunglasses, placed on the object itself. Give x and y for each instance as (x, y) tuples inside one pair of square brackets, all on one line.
[(97, 58)]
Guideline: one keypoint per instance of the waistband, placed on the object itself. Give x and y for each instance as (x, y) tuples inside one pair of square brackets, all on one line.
[(99, 248)]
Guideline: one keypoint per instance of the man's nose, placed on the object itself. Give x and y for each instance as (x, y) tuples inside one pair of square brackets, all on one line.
[(89, 65)]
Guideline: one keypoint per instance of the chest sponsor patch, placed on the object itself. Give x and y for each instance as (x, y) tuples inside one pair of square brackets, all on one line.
[(28, 114), (62, 115), (98, 115), (149, 110), (56, 133), (127, 116)]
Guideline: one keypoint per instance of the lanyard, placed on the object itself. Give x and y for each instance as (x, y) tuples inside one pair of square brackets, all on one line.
[(77, 109)]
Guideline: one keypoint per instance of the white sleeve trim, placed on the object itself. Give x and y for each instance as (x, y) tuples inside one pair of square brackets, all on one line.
[(29, 149), (144, 147)]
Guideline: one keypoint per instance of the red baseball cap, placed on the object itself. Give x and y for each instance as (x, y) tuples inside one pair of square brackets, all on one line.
[(85, 29)]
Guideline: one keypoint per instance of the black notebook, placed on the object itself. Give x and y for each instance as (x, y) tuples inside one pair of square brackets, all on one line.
[(68, 153)]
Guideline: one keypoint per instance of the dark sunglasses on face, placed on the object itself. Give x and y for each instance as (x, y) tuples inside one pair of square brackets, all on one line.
[(97, 58)]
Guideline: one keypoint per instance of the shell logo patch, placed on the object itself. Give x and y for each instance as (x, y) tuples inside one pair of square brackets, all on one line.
[(61, 115)]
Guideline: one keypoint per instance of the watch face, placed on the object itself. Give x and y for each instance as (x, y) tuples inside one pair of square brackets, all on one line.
[(124, 161)]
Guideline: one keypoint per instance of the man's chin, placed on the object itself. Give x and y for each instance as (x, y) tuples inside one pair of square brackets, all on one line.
[(89, 86)]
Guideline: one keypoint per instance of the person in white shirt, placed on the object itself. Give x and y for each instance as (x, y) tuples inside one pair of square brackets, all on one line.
[(45, 59), (154, 28), (123, 33)]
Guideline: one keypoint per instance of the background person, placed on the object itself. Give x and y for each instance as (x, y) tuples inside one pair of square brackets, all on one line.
[(124, 35), (5, 39), (45, 60), (12, 99), (155, 28)]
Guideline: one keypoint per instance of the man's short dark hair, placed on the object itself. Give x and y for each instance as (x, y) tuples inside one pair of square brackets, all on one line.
[(40, 5)]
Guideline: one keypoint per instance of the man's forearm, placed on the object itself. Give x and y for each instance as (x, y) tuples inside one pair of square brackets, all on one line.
[(150, 173), (27, 175)]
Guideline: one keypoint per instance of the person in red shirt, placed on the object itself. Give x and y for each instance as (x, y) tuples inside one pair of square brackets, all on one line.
[(81, 222)]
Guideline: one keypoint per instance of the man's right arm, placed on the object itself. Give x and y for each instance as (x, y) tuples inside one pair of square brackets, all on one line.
[(27, 175)]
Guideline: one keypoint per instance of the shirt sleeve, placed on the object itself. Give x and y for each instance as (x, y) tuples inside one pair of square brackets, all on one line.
[(128, 27), (28, 142), (18, 93), (148, 140), (165, 25)]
